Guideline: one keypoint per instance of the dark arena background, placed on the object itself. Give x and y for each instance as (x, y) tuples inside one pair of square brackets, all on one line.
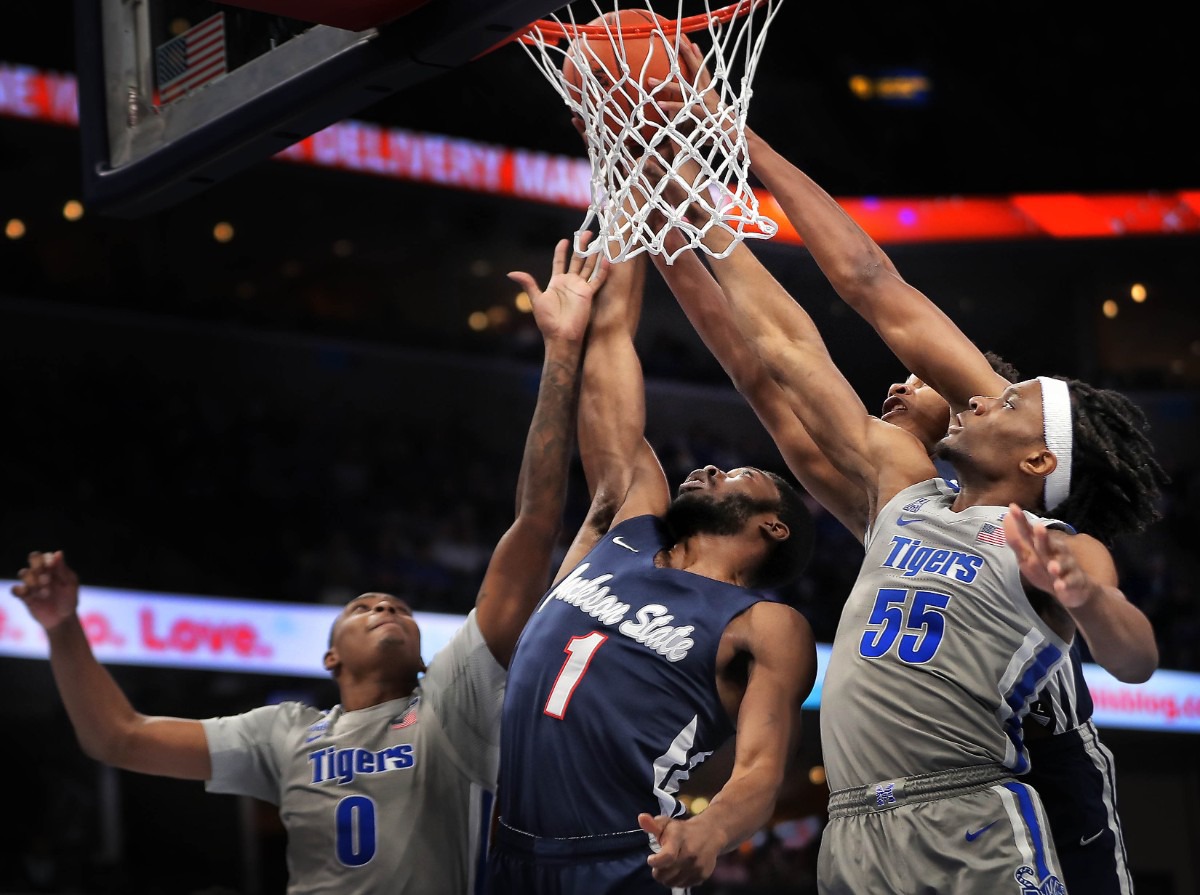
[(261, 351)]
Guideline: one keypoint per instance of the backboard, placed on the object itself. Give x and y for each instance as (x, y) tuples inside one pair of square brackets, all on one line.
[(175, 95)]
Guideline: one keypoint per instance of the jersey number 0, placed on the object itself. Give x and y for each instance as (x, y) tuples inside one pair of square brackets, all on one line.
[(355, 820)]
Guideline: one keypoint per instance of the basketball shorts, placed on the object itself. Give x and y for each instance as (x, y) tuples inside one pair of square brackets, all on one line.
[(969, 831), (521, 864), (1075, 776)]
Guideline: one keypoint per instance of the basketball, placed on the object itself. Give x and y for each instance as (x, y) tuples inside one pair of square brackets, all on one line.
[(648, 56)]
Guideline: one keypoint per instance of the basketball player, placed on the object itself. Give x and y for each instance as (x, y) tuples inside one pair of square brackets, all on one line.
[(383, 793), (1071, 768), (657, 643), (940, 615)]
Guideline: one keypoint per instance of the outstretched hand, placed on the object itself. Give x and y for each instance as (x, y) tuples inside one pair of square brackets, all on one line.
[(49, 588), (669, 95), (685, 856), (563, 309), (1046, 560)]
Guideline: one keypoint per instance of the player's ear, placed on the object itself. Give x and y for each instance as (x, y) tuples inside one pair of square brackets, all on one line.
[(775, 529), (332, 662), (1039, 462)]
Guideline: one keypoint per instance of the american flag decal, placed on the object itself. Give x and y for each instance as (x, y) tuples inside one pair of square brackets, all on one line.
[(992, 534), (193, 58), (408, 717)]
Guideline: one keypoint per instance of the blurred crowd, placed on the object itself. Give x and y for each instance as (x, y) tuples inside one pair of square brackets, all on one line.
[(158, 476), (202, 465)]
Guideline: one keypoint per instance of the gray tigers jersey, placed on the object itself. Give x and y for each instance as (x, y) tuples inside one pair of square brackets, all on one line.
[(389, 799), (938, 653)]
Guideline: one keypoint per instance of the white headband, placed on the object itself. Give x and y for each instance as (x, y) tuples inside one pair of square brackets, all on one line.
[(1056, 427)]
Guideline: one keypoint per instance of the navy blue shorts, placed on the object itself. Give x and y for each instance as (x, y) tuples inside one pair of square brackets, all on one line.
[(521, 864), (1073, 772)]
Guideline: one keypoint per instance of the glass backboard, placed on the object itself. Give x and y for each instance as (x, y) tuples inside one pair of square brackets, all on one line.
[(175, 95)]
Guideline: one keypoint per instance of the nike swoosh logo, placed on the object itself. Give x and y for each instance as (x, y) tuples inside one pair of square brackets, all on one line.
[(1088, 840), (971, 837), (621, 543), (902, 521)]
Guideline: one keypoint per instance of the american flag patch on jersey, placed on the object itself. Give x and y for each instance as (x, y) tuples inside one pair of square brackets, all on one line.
[(992, 534), (408, 717)]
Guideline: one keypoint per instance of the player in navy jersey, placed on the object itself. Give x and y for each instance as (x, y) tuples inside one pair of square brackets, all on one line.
[(388, 792), (657, 643)]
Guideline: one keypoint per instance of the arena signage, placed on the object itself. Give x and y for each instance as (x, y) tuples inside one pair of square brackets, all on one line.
[(527, 175), (258, 637)]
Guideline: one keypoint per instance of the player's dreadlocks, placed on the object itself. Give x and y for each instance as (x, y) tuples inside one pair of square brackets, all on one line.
[(1114, 457)]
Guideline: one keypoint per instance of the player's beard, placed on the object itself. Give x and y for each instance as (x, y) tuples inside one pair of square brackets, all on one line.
[(693, 513)]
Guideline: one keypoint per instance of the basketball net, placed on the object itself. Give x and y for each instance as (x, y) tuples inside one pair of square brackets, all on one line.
[(631, 142)]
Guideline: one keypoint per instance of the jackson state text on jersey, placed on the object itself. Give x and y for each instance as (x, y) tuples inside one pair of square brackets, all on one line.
[(652, 625)]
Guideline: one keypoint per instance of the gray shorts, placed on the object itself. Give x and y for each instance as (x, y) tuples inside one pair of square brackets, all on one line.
[(969, 831)]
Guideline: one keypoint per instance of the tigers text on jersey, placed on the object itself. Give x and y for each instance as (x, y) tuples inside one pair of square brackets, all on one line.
[(612, 695), (390, 799), (938, 653)]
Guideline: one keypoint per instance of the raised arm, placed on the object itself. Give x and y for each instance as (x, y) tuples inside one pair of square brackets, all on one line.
[(921, 336), (519, 570), (706, 307), (1078, 571), (917, 331), (107, 726), (931, 345), (875, 457), (624, 475)]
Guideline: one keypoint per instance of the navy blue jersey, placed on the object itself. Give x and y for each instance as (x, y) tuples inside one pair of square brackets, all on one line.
[(612, 697), (1064, 702), (1075, 774)]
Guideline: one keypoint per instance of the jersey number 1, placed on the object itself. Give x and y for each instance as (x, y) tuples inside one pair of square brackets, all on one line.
[(580, 651)]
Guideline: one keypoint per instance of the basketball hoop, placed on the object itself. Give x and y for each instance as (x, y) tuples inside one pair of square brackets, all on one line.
[(599, 70)]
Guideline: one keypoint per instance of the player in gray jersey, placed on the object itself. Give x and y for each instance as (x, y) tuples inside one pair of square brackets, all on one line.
[(383, 793), (939, 652), (1072, 770)]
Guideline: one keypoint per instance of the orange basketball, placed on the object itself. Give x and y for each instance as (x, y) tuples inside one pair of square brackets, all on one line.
[(648, 56)]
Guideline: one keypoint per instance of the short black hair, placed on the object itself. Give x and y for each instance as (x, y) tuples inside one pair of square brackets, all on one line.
[(1002, 367), (788, 559)]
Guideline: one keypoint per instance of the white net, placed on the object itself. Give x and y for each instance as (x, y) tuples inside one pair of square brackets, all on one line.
[(636, 147)]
